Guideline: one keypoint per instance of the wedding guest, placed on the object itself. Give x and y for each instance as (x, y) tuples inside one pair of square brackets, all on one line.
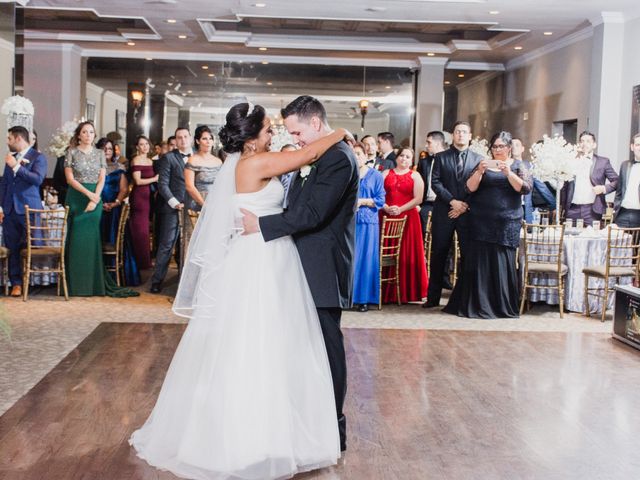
[(85, 170), (143, 176), (540, 189), (24, 172), (373, 158), (200, 173), (584, 197), (404, 192), (435, 144), (371, 194), (171, 190), (488, 284), (60, 180), (626, 206), (450, 169), (171, 144), (286, 178), (116, 189), (386, 151)]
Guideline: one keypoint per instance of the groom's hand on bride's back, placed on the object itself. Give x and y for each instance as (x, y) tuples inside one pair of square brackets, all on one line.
[(249, 222), (349, 138)]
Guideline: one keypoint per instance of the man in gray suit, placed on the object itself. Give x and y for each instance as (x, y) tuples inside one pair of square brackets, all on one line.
[(626, 206), (171, 189)]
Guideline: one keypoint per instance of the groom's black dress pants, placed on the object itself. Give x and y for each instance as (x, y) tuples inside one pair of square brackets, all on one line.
[(333, 340)]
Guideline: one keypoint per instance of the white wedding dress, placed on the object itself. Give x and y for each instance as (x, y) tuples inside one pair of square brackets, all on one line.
[(248, 394)]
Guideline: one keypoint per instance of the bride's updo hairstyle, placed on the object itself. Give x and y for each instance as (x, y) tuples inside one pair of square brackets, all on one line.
[(241, 125)]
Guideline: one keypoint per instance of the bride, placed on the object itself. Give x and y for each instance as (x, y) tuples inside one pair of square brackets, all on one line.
[(248, 394)]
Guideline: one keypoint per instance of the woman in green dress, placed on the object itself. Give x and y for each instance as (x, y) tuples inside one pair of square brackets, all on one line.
[(85, 171)]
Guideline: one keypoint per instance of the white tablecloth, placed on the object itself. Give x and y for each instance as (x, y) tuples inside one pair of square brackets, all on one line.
[(588, 248)]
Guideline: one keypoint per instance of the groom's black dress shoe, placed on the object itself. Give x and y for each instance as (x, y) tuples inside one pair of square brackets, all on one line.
[(155, 288), (363, 307)]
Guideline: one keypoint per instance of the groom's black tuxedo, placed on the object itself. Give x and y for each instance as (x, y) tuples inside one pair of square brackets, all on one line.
[(321, 219)]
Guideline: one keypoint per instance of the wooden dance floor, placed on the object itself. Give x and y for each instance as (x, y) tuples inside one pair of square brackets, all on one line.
[(421, 404)]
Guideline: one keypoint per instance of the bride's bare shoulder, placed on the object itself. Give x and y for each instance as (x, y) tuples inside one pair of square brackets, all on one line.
[(248, 178)]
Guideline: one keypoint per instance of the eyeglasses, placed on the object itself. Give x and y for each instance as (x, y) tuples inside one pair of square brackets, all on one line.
[(499, 147)]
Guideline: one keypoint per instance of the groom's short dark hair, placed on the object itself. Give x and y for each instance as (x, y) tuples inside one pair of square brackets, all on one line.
[(305, 107)]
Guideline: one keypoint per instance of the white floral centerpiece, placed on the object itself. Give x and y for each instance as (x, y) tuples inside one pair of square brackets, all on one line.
[(60, 140), (554, 160), (19, 112), (480, 146), (280, 138)]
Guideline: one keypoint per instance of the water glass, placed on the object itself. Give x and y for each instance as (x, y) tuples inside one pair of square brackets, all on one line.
[(579, 223), (596, 224)]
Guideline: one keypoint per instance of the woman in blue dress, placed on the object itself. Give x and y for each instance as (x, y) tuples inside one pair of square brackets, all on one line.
[(116, 189), (371, 194)]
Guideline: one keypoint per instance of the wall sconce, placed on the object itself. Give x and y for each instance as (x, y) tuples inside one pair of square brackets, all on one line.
[(364, 107), (137, 96)]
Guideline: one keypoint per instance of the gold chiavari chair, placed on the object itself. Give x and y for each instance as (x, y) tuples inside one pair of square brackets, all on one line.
[(390, 244), (543, 247), (427, 242), (455, 258), (46, 239), (623, 252), (116, 250), (607, 217)]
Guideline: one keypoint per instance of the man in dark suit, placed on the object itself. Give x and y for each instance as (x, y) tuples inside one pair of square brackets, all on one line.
[(451, 168), (24, 171), (171, 189), (584, 197), (321, 219), (386, 154), (435, 144), (626, 206)]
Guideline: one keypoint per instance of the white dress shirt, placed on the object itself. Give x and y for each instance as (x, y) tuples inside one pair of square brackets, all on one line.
[(583, 193), (631, 198), (173, 201)]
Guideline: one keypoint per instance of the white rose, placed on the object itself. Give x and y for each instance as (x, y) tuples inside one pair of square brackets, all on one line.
[(304, 171)]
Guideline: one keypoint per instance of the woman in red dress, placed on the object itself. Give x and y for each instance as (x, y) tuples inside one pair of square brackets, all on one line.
[(405, 190), (140, 199)]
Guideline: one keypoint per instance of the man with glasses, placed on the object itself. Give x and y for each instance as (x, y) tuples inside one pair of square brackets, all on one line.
[(451, 168)]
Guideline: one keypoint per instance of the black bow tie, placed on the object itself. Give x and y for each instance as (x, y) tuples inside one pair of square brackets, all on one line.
[(185, 156)]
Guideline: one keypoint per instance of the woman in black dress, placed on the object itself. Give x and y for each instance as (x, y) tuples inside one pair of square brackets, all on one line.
[(488, 285)]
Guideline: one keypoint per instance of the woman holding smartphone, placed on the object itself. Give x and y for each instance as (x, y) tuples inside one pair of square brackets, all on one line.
[(488, 285)]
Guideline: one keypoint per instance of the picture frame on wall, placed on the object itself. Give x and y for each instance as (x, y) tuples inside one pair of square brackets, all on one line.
[(121, 120), (90, 111)]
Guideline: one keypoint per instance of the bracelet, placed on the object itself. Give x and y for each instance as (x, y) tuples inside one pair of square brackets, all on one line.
[(117, 201)]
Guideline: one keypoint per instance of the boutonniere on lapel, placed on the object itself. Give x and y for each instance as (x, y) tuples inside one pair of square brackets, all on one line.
[(305, 171)]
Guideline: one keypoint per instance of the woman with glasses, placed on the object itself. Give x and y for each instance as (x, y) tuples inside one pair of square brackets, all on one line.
[(488, 285)]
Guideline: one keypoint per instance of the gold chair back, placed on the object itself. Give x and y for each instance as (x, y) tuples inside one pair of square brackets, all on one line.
[(46, 239), (427, 242), (390, 244), (117, 250), (543, 250)]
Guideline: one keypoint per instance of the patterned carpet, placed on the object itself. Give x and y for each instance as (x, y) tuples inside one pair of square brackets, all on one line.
[(46, 328)]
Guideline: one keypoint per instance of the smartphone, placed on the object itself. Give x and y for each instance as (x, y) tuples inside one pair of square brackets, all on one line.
[(493, 164)]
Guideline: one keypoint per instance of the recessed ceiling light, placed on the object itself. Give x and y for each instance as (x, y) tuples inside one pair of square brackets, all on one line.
[(212, 74), (447, 82), (548, 33), (171, 20), (517, 47), (387, 87), (182, 37), (189, 91), (205, 67), (269, 83), (461, 75), (148, 59), (264, 49), (431, 54), (265, 63), (260, 5), (184, 94), (493, 12), (131, 44)]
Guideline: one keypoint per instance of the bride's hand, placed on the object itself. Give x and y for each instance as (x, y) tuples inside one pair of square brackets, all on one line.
[(348, 137)]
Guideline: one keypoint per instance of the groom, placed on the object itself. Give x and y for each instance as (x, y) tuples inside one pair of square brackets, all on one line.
[(320, 217)]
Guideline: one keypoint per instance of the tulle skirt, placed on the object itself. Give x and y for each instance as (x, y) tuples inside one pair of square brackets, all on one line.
[(248, 394)]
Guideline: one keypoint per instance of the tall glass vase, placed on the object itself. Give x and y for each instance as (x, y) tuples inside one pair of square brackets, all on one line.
[(559, 184)]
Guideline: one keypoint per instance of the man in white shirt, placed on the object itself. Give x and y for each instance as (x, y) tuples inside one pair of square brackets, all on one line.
[(626, 205), (584, 197)]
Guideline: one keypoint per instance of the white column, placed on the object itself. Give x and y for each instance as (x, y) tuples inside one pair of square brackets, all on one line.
[(430, 98), (53, 81), (606, 83), (7, 59)]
